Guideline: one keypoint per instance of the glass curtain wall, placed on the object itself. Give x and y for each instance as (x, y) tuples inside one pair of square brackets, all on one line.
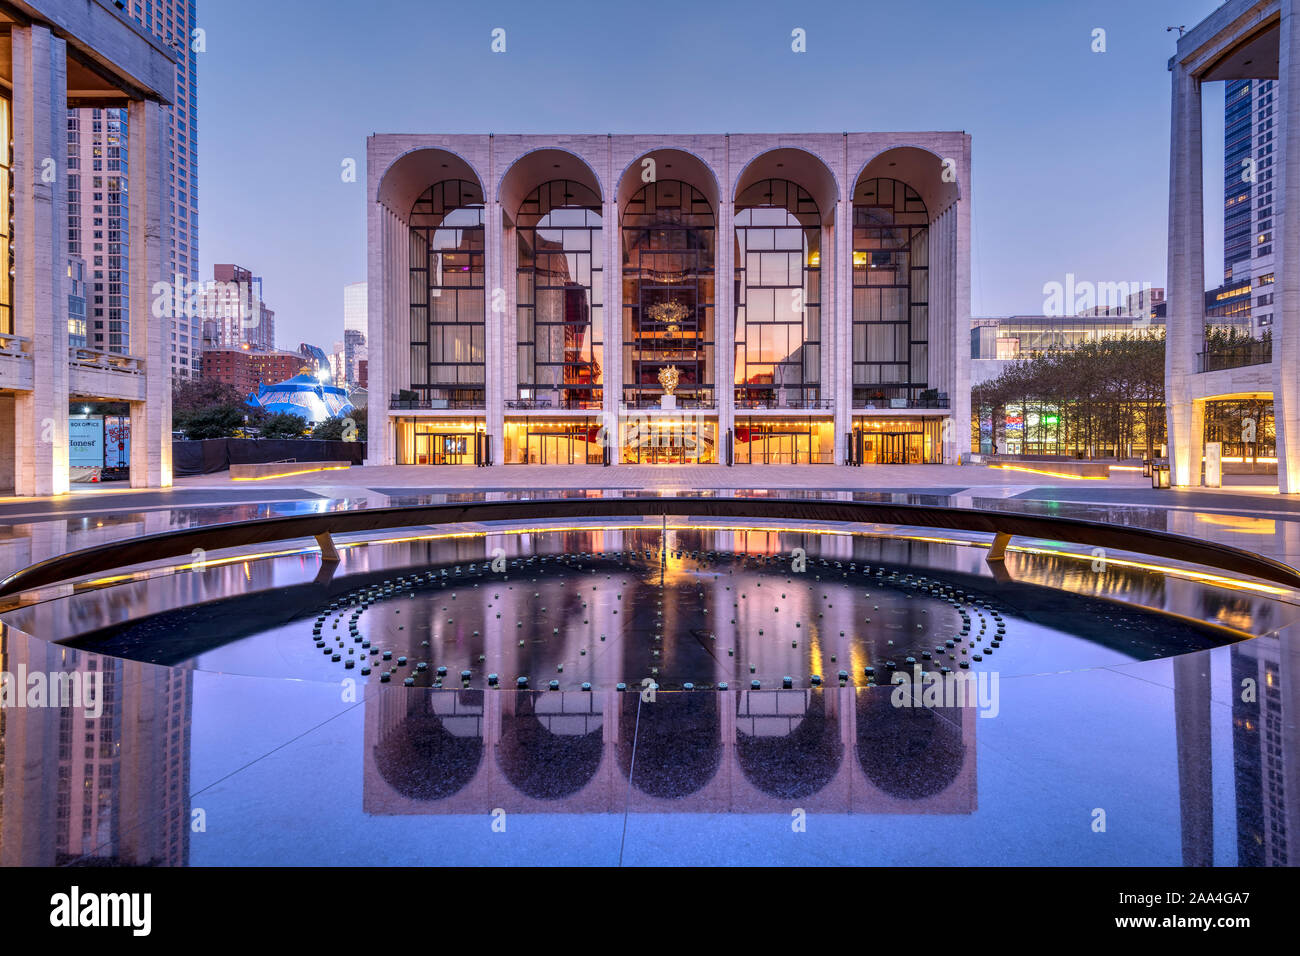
[(447, 313), (778, 297), (890, 293), (668, 276), (559, 297)]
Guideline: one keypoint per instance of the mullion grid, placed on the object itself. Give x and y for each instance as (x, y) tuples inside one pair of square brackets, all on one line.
[(893, 224), (453, 210), (582, 373)]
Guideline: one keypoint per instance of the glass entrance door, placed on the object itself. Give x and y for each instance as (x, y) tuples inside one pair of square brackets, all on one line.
[(440, 448)]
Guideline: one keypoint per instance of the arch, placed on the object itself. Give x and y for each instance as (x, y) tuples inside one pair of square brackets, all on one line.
[(919, 168), (669, 163), (542, 165), (797, 166), (412, 173)]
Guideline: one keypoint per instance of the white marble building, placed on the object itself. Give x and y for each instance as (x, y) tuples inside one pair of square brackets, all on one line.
[(810, 292)]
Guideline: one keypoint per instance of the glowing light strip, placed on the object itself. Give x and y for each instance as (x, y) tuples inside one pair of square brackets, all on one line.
[(290, 474), (1054, 474), (1202, 576)]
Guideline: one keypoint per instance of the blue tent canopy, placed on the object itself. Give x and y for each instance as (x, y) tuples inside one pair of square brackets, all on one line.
[(304, 396)]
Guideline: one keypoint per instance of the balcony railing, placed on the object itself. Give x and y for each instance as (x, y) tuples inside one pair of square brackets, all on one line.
[(432, 404), (798, 404), (684, 400), (102, 360), (577, 404), (15, 346), (876, 402), (1238, 356)]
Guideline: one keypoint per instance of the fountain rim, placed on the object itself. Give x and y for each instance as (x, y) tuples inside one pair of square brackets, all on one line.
[(1003, 525)]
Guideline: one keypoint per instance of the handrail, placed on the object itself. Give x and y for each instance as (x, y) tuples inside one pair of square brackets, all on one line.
[(1001, 524)]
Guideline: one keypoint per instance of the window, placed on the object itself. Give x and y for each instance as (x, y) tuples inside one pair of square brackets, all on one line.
[(778, 297), (447, 294), (668, 275), (890, 292), (559, 296)]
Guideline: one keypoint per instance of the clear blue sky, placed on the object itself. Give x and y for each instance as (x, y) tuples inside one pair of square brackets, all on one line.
[(1071, 147)]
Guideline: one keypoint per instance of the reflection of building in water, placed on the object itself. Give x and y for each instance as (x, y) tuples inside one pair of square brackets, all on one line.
[(834, 750), (1266, 753), (112, 788)]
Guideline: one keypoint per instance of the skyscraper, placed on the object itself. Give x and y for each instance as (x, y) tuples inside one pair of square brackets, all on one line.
[(1248, 193), (98, 203)]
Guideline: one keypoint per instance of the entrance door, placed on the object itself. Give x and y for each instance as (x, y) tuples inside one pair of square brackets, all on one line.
[(893, 449)]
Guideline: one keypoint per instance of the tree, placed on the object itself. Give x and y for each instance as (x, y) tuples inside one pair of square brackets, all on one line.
[(219, 421), (1101, 398), (351, 427), (282, 425), (196, 395)]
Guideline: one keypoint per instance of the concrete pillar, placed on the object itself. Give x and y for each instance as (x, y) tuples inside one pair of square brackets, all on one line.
[(151, 420), (959, 330), (494, 291), (378, 447), (612, 350), (40, 229), (724, 316), (1286, 324), (839, 324), (1185, 326)]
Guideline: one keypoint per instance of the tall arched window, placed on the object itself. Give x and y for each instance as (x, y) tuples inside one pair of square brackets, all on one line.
[(559, 301), (668, 270), (891, 292), (447, 328), (778, 297)]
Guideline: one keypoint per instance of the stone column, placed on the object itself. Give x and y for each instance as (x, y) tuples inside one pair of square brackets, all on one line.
[(1286, 324), (839, 325), (494, 291), (378, 450), (612, 350), (959, 331), (151, 420), (40, 228), (1186, 279), (724, 320)]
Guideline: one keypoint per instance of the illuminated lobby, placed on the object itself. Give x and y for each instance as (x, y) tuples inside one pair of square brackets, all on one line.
[(555, 300)]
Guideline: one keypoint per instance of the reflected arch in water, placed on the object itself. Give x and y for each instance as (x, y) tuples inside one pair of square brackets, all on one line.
[(551, 746), (911, 753), (785, 754), (678, 742), (433, 750)]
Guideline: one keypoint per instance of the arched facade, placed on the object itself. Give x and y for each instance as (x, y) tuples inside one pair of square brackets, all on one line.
[(658, 299)]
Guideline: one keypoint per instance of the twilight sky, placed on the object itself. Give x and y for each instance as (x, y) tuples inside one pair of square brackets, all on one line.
[(1070, 147)]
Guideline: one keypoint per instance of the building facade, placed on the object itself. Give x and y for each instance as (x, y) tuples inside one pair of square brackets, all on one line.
[(56, 56), (231, 311), (1248, 181), (603, 299), (247, 368), (98, 153), (1256, 41)]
